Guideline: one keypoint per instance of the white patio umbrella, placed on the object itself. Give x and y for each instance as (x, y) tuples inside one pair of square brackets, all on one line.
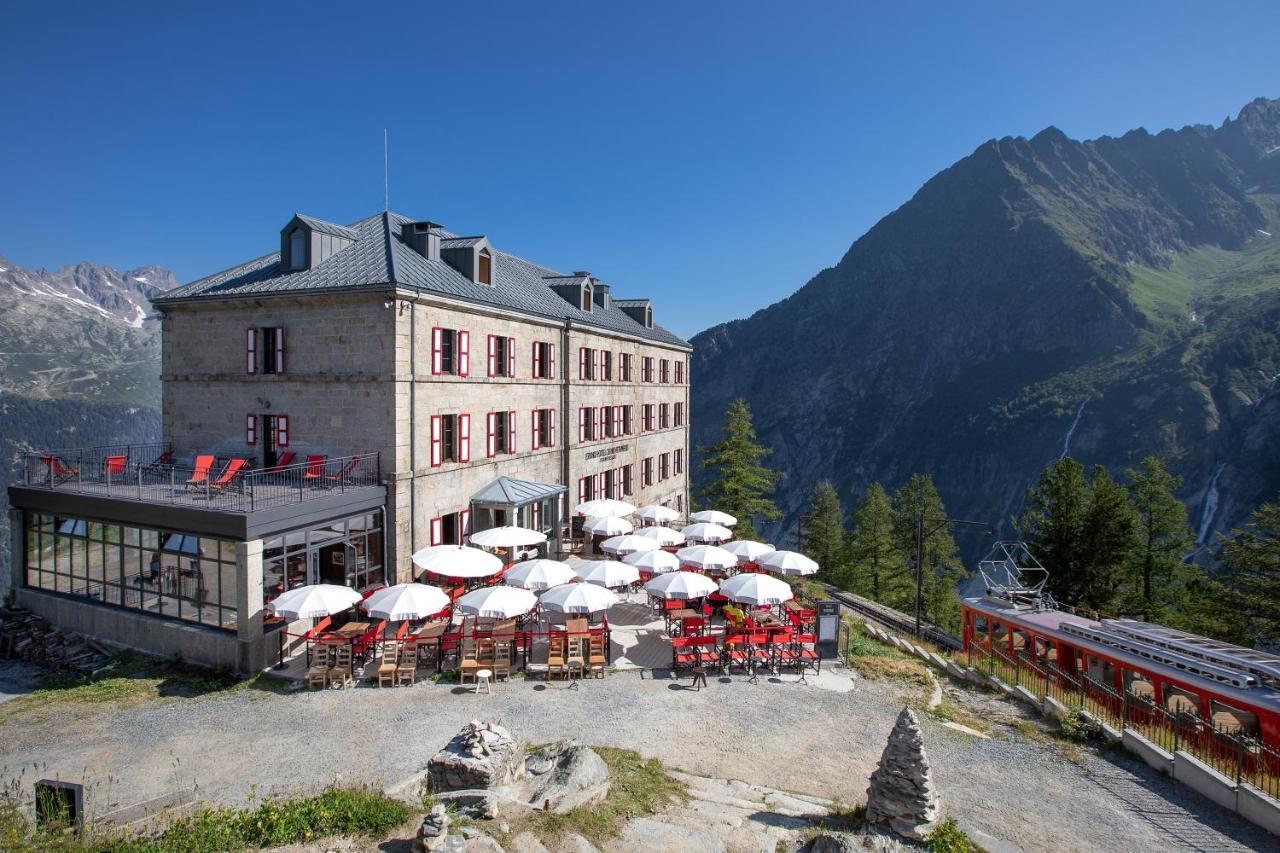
[(657, 514), (577, 598), (714, 516), (539, 574), (406, 601), (706, 557), (608, 573), (497, 602), (457, 561), (747, 551), (706, 532), (313, 601), (605, 507), (681, 585), (509, 536), (656, 562), (787, 563), (607, 525), (756, 589), (664, 536), (628, 544)]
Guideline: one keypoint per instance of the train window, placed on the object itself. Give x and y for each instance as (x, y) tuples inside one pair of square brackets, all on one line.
[(1044, 650), (980, 627), (1181, 701), (1020, 640), (1139, 685), (1102, 672), (1232, 720)]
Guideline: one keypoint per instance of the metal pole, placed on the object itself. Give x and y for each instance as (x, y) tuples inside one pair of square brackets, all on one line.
[(919, 566)]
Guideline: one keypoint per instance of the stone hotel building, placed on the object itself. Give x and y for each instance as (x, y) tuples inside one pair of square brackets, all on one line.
[(333, 406)]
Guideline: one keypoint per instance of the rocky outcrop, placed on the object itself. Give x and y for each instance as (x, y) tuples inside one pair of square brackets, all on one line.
[(562, 776), (902, 797), (481, 756)]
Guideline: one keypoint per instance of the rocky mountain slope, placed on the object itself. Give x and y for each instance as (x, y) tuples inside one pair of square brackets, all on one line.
[(1110, 298), (79, 360)]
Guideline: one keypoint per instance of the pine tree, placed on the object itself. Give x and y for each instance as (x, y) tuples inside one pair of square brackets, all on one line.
[(822, 532), (1163, 538), (877, 570), (740, 483), (1108, 536), (1053, 525), (1251, 557), (917, 505)]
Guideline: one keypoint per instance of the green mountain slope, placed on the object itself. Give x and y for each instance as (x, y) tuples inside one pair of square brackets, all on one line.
[(1112, 298)]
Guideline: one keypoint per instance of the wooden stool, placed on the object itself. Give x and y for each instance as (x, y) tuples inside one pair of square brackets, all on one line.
[(699, 677)]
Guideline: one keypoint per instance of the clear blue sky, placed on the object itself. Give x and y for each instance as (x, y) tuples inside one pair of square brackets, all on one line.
[(712, 156)]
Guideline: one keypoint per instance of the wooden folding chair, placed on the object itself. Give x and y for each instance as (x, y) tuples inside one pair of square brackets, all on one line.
[(555, 657), (390, 663), (341, 672), (407, 665), (597, 660)]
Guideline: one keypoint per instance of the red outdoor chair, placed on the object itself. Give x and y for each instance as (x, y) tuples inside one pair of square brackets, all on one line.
[(346, 471), (315, 467), (737, 652), (285, 460), (783, 654), (807, 652), (163, 459), (114, 466), (683, 655), (58, 472), (200, 475), (761, 651), (229, 474), (708, 650), (693, 626)]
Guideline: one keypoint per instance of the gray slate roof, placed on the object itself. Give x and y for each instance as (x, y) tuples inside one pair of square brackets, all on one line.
[(327, 227), (378, 257), (509, 490)]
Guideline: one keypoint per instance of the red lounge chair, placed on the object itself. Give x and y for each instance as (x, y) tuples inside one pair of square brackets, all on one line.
[(346, 471), (165, 458), (285, 460), (315, 467), (58, 472), (228, 474), (115, 466), (200, 475)]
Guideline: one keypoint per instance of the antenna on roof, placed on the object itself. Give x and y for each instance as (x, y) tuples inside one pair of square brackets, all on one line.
[(386, 174)]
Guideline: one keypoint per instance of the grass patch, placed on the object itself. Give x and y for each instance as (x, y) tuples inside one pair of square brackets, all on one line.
[(129, 678), (874, 659), (637, 787), (1069, 749), (948, 837), (957, 712), (333, 812)]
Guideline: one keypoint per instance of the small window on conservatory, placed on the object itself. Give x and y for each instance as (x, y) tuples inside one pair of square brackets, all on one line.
[(298, 249), (485, 271)]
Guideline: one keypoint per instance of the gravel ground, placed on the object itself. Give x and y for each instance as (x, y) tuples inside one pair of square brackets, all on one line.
[(1009, 793)]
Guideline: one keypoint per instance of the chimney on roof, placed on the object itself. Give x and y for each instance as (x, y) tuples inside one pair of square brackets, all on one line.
[(423, 238), (600, 294), (581, 273)]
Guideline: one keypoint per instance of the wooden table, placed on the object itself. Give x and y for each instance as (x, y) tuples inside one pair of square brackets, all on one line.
[(351, 630), (681, 615), (793, 606), (429, 635), (768, 620)]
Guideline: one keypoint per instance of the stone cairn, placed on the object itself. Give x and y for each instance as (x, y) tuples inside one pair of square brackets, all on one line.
[(902, 797), (482, 755)]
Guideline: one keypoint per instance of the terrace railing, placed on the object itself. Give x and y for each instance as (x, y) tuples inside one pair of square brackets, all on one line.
[(143, 473)]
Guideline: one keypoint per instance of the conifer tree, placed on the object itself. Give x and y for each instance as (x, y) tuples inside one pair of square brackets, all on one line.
[(822, 532), (1163, 537), (1108, 536), (1251, 556), (740, 484), (917, 503), (1053, 525), (877, 570)]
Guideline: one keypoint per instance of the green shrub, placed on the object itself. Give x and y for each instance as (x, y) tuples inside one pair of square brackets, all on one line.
[(1076, 726), (948, 837)]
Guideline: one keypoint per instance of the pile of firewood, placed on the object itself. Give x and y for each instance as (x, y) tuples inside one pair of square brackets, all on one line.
[(27, 637)]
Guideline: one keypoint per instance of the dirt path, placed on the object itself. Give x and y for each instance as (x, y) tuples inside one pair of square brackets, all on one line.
[(1009, 793)]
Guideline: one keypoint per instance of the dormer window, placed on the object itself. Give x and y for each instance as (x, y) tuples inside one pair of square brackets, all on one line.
[(298, 249), (586, 298), (485, 272)]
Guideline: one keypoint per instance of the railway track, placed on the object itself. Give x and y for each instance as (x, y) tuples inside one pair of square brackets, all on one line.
[(893, 619)]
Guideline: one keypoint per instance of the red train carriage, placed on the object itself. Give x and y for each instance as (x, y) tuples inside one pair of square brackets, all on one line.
[(1216, 686)]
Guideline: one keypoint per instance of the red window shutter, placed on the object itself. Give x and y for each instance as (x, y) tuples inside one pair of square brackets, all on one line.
[(251, 429), (466, 522), (437, 531), (435, 441), (582, 424), (278, 355), (582, 363), (595, 365), (511, 431), (464, 438), (463, 356), (552, 432), (493, 354), (282, 430), (491, 422), (551, 361), (604, 420), (535, 441), (534, 372), (250, 350), (511, 357), (582, 490), (437, 350)]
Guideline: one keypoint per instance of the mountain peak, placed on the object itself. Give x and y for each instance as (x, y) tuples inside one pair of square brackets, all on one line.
[(123, 296)]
